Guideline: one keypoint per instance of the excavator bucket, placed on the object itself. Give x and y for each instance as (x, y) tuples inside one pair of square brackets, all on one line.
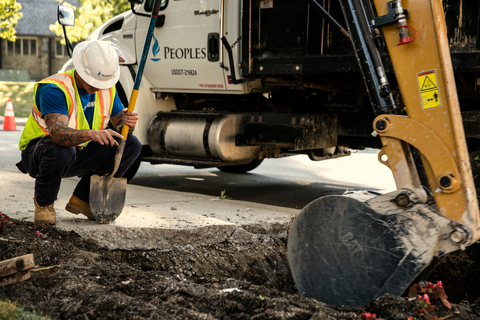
[(347, 250)]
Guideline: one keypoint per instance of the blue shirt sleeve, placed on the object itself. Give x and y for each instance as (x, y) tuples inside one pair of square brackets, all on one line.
[(51, 99)]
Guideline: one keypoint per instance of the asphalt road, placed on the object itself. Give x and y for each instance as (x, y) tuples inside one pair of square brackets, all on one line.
[(288, 182)]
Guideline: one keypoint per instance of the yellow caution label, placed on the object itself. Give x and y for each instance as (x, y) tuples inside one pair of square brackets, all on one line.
[(429, 93)]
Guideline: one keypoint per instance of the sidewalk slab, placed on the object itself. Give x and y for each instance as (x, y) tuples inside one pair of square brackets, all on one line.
[(151, 219)]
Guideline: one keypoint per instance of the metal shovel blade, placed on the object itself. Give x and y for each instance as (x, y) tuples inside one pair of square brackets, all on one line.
[(107, 197)]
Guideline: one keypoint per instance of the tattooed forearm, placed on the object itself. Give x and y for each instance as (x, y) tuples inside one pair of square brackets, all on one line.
[(61, 134)]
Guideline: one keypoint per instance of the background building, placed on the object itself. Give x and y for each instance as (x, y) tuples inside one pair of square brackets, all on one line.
[(37, 52)]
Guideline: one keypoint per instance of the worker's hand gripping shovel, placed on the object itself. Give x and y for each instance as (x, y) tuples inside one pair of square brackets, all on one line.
[(107, 194)]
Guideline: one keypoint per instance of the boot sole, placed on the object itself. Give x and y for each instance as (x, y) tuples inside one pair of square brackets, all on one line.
[(75, 210)]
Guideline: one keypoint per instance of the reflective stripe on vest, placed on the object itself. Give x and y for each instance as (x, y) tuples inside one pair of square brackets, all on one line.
[(36, 127)]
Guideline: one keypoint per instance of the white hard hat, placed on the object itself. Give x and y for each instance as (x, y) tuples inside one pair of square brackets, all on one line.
[(96, 63)]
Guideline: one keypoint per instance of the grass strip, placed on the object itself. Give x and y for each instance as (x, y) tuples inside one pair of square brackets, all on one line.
[(12, 311)]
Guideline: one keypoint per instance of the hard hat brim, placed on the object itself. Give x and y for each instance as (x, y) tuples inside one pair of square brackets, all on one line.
[(77, 57)]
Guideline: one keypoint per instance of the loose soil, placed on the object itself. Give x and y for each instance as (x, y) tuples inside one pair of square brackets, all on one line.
[(231, 280)]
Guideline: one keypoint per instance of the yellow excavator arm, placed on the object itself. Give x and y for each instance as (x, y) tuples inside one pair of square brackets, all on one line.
[(343, 250), (424, 73)]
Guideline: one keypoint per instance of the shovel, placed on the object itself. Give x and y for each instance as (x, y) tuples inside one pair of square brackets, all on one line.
[(107, 194)]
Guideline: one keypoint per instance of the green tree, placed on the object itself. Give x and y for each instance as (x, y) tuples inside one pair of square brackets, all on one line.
[(90, 15), (9, 16)]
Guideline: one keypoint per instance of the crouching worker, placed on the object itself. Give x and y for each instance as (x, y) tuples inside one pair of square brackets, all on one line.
[(71, 130)]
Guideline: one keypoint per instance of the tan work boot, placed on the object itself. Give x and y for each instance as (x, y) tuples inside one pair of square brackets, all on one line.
[(44, 215), (77, 206)]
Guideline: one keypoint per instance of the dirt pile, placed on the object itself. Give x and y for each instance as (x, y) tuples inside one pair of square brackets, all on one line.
[(236, 279)]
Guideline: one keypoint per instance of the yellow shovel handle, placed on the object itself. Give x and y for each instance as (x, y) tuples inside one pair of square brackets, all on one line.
[(131, 107)]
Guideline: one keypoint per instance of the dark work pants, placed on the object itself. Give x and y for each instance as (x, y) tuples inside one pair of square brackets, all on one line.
[(48, 164)]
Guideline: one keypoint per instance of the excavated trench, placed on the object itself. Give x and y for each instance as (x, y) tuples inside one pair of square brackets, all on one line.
[(251, 253), (258, 254), (172, 274)]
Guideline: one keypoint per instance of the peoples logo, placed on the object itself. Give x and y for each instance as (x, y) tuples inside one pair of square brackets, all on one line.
[(99, 74), (155, 49)]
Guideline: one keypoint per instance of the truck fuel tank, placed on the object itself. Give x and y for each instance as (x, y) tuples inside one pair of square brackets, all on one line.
[(199, 135)]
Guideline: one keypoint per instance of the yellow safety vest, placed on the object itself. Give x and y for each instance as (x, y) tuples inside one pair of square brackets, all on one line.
[(36, 127)]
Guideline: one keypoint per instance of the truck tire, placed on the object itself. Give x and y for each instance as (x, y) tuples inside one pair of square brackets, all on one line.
[(242, 168)]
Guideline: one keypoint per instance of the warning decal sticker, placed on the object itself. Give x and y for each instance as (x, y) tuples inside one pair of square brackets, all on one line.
[(429, 93)]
